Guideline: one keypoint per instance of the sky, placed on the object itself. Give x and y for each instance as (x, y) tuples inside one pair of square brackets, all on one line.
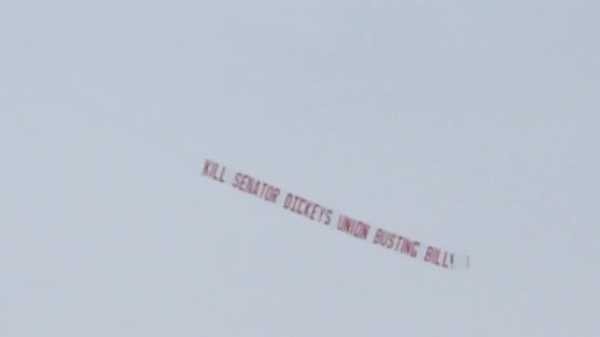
[(469, 125)]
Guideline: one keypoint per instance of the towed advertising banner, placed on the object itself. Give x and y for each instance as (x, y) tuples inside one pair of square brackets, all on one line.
[(333, 219)]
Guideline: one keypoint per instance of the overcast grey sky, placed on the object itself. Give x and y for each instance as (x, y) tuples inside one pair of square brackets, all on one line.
[(472, 125)]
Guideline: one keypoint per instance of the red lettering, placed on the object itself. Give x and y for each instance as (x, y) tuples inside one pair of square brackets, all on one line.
[(298, 205), (207, 166), (254, 186), (398, 243), (287, 204), (222, 174), (406, 247), (414, 252), (353, 227), (428, 254), (344, 224), (378, 239), (322, 214), (273, 195), (312, 214), (211, 170), (328, 215), (382, 237), (264, 188), (389, 241), (237, 180), (432, 255), (307, 207), (444, 260), (294, 203), (244, 185), (362, 230), (248, 182)]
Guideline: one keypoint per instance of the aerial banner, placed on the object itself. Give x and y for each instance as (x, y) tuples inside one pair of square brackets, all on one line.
[(333, 219)]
